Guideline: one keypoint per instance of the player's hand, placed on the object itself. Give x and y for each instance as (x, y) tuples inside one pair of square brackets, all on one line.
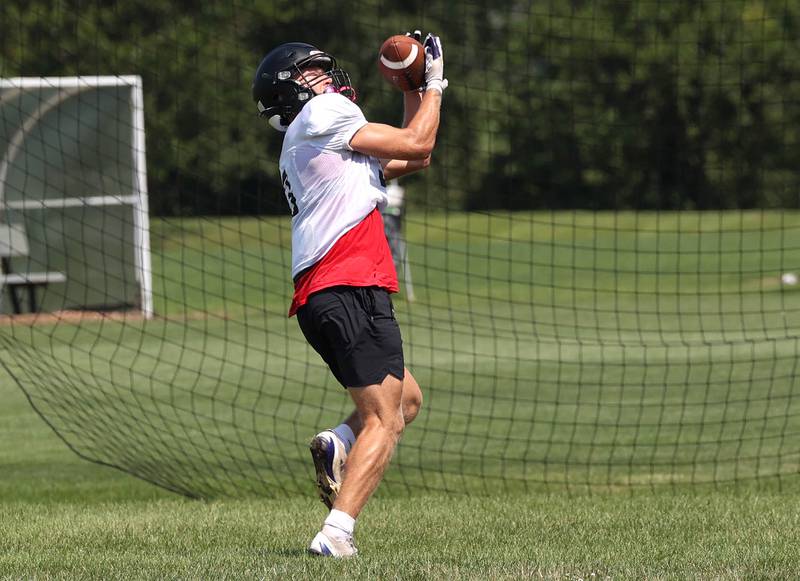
[(434, 64), (416, 35)]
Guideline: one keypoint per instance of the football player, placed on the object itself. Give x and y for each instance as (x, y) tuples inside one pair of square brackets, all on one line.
[(334, 165)]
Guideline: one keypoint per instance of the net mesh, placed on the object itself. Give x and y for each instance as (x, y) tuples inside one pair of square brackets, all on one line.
[(604, 251)]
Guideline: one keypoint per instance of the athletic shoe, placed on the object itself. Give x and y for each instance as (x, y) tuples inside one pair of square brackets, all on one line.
[(325, 546), (329, 456)]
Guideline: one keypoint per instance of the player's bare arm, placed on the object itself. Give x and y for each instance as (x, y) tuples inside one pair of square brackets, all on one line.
[(395, 168), (414, 142)]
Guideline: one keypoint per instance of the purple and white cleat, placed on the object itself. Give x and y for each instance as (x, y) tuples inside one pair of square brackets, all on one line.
[(329, 456)]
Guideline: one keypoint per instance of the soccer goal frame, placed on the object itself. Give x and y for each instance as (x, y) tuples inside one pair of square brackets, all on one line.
[(67, 88)]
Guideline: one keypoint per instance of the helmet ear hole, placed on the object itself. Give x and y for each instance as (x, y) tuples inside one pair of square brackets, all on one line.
[(276, 123)]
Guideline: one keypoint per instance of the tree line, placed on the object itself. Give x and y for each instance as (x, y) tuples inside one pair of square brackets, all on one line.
[(597, 104)]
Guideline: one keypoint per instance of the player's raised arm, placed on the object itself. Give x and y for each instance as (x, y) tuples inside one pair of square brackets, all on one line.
[(417, 140), (395, 168)]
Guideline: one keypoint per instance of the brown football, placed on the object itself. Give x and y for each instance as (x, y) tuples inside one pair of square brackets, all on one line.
[(402, 62)]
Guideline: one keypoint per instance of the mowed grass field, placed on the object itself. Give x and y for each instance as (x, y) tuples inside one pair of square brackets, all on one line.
[(647, 359), (65, 518)]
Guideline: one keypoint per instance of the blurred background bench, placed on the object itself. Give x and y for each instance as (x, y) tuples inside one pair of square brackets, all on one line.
[(14, 244)]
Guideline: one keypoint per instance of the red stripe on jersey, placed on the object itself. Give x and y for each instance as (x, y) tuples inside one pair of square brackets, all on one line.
[(359, 258)]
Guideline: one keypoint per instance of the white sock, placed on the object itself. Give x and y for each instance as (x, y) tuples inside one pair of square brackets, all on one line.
[(339, 524), (346, 435)]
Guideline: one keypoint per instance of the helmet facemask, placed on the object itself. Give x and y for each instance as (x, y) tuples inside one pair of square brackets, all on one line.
[(340, 79)]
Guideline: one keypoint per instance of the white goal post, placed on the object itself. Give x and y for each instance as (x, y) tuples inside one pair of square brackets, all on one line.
[(54, 92)]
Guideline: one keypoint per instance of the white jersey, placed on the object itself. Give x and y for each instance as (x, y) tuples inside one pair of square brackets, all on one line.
[(330, 188)]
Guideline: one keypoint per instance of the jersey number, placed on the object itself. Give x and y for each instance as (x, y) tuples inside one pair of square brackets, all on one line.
[(287, 188)]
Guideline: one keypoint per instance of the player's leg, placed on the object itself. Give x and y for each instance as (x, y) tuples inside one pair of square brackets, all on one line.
[(412, 397), (365, 339), (380, 408), (330, 448), (366, 467), (412, 401), (380, 411)]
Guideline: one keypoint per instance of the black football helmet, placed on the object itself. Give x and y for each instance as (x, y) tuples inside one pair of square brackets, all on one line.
[(280, 90)]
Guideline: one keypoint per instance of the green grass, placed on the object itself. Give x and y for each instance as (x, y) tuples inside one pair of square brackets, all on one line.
[(65, 518), (647, 358)]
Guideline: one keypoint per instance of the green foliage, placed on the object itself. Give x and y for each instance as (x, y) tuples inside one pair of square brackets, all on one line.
[(649, 105), (585, 104)]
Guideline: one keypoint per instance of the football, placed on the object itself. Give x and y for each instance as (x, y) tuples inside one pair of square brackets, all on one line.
[(401, 61)]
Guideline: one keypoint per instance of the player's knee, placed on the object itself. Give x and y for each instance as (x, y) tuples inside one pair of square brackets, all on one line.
[(412, 402), (416, 399), (412, 397)]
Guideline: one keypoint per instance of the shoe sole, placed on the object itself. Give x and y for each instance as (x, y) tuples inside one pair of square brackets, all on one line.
[(328, 489), (314, 553)]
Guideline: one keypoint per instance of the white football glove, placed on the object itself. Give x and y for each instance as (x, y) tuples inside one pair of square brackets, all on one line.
[(434, 64)]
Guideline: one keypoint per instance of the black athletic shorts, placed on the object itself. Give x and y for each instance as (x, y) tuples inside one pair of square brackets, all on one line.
[(355, 332)]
